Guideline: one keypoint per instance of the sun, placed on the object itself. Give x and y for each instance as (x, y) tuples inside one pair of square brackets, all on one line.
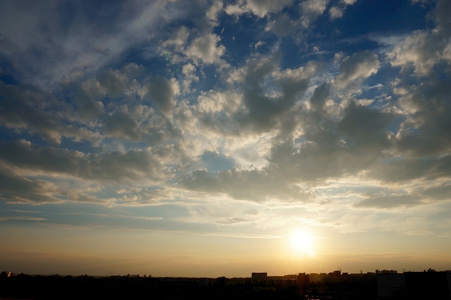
[(302, 242)]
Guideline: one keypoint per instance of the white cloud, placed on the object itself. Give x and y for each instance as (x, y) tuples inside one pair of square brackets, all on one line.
[(335, 12), (422, 50), (177, 40), (189, 71), (213, 102), (213, 11), (311, 10), (206, 49)]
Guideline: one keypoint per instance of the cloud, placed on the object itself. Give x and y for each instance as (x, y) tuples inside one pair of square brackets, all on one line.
[(206, 49), (284, 24), (20, 109), (177, 39), (319, 97), (230, 221), (268, 92), (252, 185), (406, 169), (163, 92), (356, 68), (111, 166), (18, 189), (113, 82), (88, 97), (189, 71), (66, 38), (108, 122), (336, 11), (256, 7), (22, 218), (390, 201), (421, 50), (30, 109), (120, 124), (213, 11), (147, 196), (425, 129), (365, 130), (438, 193), (426, 49), (311, 10)]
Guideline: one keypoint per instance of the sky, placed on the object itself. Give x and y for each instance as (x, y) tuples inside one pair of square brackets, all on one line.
[(211, 138)]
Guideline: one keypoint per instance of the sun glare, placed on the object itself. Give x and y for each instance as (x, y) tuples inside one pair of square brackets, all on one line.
[(302, 242)]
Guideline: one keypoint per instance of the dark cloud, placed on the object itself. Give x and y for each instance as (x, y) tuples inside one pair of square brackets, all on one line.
[(390, 201), (114, 82), (87, 99), (365, 130), (162, 92), (121, 124), (252, 185), (260, 77), (18, 189), (403, 169), (111, 166), (426, 129), (319, 97), (28, 108), (440, 193)]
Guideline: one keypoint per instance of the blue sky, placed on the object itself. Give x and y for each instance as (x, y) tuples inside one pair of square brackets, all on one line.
[(192, 138)]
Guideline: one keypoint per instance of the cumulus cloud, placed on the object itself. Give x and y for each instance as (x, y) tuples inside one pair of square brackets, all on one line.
[(423, 88), (425, 129), (421, 50), (113, 82), (206, 49), (22, 109), (268, 92), (311, 10), (424, 49), (162, 92), (337, 10), (284, 24), (121, 124), (258, 8), (365, 130), (30, 109)]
